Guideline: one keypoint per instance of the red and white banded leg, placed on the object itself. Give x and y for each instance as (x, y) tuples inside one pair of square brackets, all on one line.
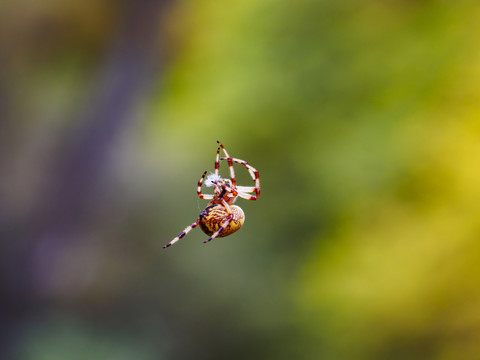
[(199, 189), (217, 161), (253, 173), (183, 233), (230, 164)]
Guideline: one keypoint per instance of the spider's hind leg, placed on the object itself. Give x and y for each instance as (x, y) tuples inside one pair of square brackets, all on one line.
[(183, 233)]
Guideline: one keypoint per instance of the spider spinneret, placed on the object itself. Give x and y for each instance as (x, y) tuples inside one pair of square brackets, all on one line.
[(220, 218)]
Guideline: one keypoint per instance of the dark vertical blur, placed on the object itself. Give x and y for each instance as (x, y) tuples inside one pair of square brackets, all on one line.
[(32, 245)]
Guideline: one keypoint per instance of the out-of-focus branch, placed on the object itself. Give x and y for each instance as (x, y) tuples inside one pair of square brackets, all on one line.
[(64, 207)]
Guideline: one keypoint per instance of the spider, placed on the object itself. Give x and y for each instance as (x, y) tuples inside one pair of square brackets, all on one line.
[(220, 218)]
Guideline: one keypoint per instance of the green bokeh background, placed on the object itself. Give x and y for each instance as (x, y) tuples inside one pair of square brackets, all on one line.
[(363, 119)]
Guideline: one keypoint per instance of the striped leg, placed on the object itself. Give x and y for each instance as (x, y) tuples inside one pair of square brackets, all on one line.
[(247, 196), (230, 164), (229, 190), (246, 188), (217, 167), (223, 226), (225, 223), (253, 173), (183, 233), (199, 189), (217, 161)]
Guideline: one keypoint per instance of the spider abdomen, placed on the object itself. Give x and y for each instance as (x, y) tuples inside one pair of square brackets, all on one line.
[(213, 216)]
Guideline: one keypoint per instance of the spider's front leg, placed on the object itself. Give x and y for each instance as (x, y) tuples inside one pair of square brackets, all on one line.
[(183, 233), (199, 189), (255, 177)]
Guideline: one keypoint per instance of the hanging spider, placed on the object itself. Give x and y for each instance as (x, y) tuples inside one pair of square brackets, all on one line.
[(220, 218)]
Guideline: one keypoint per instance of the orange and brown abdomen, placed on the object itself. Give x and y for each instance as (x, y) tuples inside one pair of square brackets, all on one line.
[(213, 216)]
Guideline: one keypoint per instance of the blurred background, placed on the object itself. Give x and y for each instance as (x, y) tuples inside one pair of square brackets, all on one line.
[(362, 117)]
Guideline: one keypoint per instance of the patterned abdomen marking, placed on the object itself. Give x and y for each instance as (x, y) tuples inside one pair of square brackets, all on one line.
[(215, 215)]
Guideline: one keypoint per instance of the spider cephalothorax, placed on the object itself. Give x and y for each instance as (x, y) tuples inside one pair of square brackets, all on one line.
[(220, 218)]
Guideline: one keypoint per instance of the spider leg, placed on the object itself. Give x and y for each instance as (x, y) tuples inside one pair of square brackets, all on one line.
[(246, 189), (229, 190), (199, 189), (223, 226), (225, 151), (243, 192), (253, 173), (230, 164), (217, 168), (183, 233), (229, 211), (217, 161), (247, 196)]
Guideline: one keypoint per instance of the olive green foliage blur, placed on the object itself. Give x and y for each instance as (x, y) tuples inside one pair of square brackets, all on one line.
[(363, 119)]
